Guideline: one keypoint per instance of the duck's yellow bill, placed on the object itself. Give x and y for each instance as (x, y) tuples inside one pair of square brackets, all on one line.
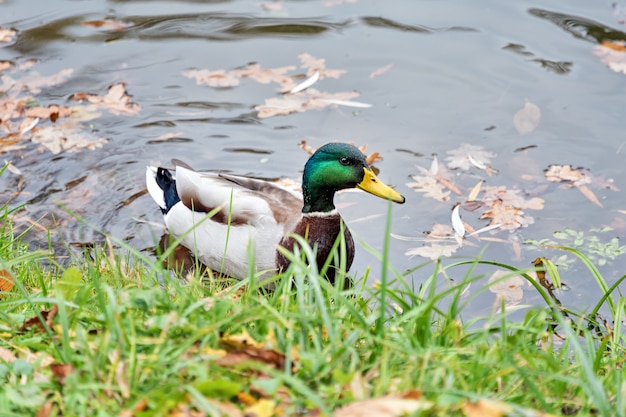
[(373, 185)]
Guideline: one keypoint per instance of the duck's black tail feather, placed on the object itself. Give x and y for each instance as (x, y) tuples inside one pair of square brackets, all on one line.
[(167, 183)]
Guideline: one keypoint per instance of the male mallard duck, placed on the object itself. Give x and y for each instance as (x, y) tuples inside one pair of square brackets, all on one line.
[(263, 213)]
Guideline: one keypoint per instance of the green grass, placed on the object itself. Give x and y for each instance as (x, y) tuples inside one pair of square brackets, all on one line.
[(131, 339)]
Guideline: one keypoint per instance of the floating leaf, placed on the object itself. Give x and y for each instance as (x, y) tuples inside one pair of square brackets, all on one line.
[(527, 118), (314, 65), (510, 289), (511, 197), (508, 217), (434, 251), (467, 156), (612, 54), (7, 35), (116, 100), (266, 76), (219, 78), (67, 136), (380, 71)]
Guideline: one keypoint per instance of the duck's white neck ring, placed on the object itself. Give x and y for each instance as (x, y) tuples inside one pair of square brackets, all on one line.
[(331, 213)]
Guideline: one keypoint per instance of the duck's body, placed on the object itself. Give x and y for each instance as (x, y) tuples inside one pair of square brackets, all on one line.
[(250, 214)]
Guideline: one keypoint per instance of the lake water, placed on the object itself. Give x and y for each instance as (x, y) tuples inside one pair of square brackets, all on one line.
[(460, 71)]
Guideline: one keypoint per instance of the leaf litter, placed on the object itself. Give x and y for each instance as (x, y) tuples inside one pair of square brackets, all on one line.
[(504, 208), (297, 94)]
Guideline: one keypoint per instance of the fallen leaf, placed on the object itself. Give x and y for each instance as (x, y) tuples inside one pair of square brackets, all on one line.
[(467, 156), (4, 65), (281, 106), (67, 136), (527, 118), (265, 76), (387, 406), (52, 112), (48, 316), (429, 186), (6, 281), (45, 409), (486, 408), (60, 371), (510, 289), (380, 71), (314, 65), (34, 82), (433, 252), (116, 100), (110, 25), (510, 197), (508, 217), (567, 173), (6, 355), (7, 35), (612, 54), (262, 408), (219, 78)]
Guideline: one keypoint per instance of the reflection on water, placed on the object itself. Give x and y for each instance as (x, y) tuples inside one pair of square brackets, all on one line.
[(460, 72)]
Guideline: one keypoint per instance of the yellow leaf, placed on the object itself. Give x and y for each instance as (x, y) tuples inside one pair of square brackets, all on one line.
[(263, 408)]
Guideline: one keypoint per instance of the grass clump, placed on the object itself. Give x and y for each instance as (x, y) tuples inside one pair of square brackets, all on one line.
[(119, 335)]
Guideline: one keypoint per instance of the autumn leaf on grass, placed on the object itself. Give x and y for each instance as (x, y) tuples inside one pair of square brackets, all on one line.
[(116, 100), (313, 65), (612, 54), (6, 281), (394, 405), (47, 315), (467, 156), (527, 118), (7, 35), (486, 408), (579, 178), (68, 136), (242, 347)]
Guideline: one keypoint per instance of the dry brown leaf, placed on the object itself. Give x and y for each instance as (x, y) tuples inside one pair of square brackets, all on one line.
[(6, 281), (429, 185), (467, 156), (5, 65), (486, 408), (6, 355), (380, 71), (266, 76), (510, 289), (586, 191), (567, 173), (387, 406), (508, 217), (510, 197), (612, 54), (67, 136), (314, 65), (52, 112), (34, 82), (116, 100), (527, 118), (45, 409), (281, 106), (7, 35), (60, 371), (48, 316), (219, 78)]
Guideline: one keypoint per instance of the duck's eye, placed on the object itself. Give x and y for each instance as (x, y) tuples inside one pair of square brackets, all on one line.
[(344, 161)]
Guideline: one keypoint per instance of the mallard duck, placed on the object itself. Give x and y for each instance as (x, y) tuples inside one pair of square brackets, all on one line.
[(248, 211)]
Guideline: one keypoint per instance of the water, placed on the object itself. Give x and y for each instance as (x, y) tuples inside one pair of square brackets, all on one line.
[(461, 70)]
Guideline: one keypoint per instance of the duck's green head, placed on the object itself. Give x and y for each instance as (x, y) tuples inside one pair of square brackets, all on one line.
[(336, 166)]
